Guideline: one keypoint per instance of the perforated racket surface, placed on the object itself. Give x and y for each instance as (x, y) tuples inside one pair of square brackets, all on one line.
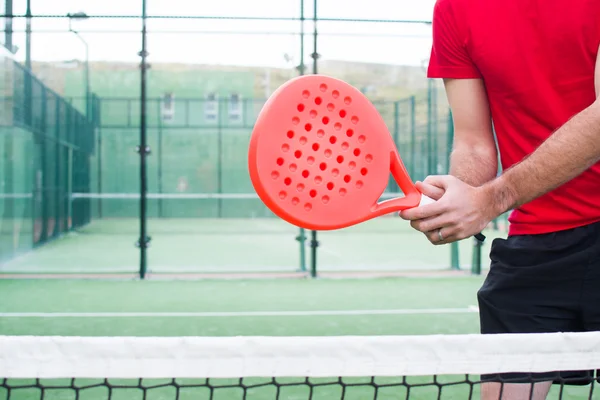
[(320, 156)]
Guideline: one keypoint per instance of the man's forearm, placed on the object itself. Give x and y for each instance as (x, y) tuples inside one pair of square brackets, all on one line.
[(567, 153), (474, 166)]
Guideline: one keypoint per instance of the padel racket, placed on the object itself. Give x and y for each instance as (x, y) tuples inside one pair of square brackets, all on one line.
[(320, 156)]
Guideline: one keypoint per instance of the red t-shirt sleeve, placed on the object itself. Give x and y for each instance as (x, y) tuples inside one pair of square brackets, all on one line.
[(449, 57)]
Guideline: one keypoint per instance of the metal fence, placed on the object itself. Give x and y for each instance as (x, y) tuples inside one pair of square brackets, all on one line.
[(46, 146)]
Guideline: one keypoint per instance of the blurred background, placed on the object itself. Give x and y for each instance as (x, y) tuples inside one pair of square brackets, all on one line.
[(88, 84)]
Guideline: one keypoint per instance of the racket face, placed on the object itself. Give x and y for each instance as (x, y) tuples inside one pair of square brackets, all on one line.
[(320, 153)]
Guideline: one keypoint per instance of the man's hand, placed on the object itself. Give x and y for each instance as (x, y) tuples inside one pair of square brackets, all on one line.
[(460, 211)]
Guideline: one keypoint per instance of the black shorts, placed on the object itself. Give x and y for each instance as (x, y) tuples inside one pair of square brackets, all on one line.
[(540, 284)]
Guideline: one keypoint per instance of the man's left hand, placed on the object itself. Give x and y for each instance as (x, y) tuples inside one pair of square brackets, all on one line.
[(460, 210)]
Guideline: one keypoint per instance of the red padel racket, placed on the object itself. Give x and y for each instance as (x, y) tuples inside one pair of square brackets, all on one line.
[(320, 156)]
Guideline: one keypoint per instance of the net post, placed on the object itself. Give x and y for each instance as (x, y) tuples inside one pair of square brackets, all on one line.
[(143, 149), (476, 262)]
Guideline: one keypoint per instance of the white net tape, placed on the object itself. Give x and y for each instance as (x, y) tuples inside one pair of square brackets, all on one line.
[(348, 356)]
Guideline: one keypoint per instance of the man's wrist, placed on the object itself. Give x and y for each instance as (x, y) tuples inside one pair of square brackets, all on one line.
[(502, 197)]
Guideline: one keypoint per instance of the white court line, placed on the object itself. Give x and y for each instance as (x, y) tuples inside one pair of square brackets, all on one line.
[(415, 311)]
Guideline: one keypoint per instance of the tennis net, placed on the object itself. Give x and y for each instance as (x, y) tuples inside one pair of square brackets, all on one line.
[(261, 368)]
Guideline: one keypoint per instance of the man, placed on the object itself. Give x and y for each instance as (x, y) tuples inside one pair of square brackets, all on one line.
[(530, 69)]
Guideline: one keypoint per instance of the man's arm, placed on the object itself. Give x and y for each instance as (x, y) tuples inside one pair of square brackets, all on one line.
[(474, 158), (567, 153)]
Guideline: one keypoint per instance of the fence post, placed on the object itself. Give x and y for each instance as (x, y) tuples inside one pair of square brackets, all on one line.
[(454, 249), (143, 150), (314, 244), (476, 262)]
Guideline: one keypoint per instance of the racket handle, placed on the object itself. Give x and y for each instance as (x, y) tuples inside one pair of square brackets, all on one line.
[(428, 200)]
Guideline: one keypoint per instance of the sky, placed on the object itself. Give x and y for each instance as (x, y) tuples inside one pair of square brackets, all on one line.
[(265, 43)]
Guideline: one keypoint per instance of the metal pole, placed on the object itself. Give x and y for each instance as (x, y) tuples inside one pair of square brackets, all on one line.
[(476, 259), (219, 159), (8, 33), (302, 235), (413, 136), (143, 150), (87, 62), (301, 67), (435, 122), (87, 80), (315, 56), (396, 136), (159, 155), (99, 155), (429, 130), (454, 249), (28, 36)]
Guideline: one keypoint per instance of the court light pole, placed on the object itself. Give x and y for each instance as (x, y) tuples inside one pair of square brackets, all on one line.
[(80, 16)]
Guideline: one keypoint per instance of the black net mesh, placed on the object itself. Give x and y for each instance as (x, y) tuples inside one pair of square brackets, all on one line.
[(404, 387)]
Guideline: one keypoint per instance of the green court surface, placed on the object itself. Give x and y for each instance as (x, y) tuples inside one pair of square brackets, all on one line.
[(240, 245), (392, 306), (240, 298)]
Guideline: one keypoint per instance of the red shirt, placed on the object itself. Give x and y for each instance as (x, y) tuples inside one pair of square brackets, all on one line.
[(537, 59)]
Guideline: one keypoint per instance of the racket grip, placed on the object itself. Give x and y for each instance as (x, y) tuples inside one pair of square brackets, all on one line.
[(428, 200)]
